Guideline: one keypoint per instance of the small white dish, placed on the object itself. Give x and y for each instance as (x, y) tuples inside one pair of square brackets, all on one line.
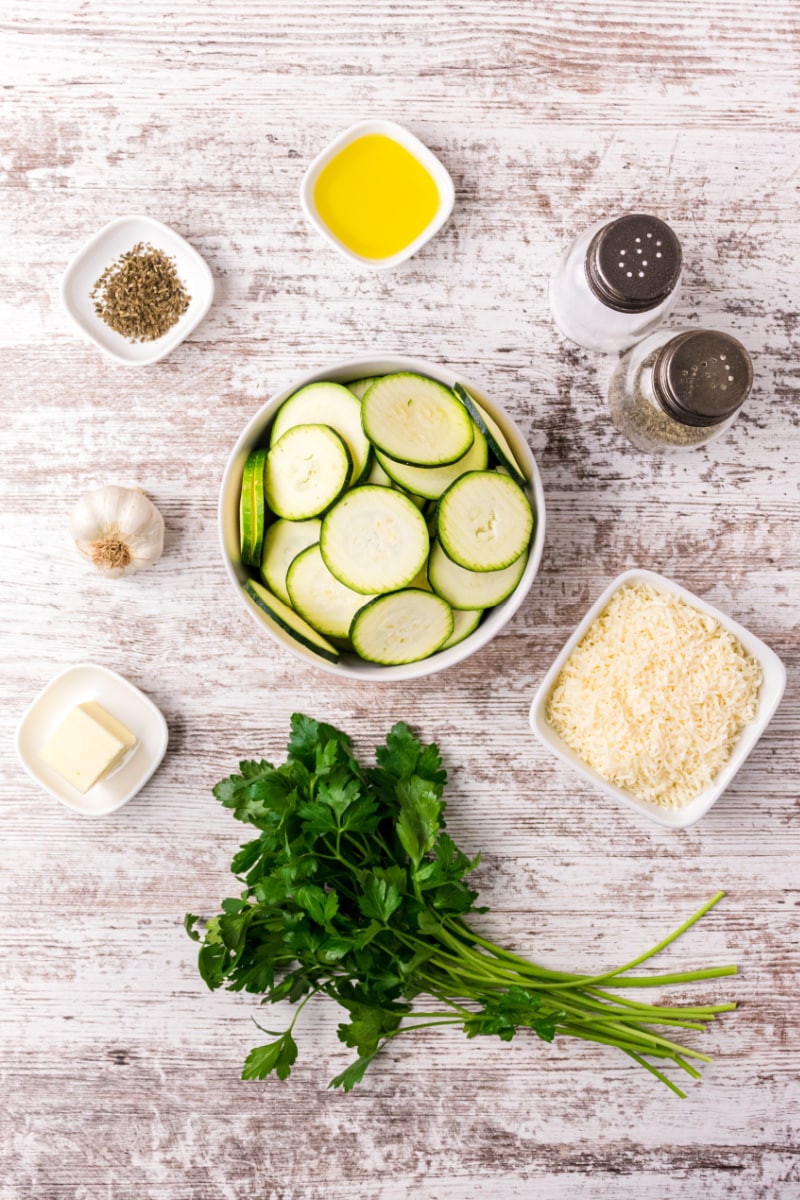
[(414, 146), (87, 681), (773, 684), (100, 252)]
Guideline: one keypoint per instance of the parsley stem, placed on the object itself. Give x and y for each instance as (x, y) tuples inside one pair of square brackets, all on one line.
[(654, 1071)]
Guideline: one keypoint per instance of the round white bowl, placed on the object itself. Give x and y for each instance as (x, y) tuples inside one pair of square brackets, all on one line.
[(256, 434)]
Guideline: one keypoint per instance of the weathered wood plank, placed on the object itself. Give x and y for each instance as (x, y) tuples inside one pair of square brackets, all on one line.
[(119, 1070)]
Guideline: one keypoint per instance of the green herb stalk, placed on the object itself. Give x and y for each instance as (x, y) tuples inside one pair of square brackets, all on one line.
[(354, 890)]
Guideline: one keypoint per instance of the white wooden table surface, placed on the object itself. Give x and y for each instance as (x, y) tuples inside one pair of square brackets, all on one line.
[(119, 1071)]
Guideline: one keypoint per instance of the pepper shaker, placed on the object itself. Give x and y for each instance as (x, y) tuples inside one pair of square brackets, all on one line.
[(617, 282), (676, 390)]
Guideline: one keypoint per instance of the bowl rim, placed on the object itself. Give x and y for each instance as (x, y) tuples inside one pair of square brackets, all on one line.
[(420, 151), (771, 692), (174, 337), (359, 368)]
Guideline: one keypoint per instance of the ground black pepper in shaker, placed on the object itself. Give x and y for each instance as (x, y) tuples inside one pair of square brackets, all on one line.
[(676, 390)]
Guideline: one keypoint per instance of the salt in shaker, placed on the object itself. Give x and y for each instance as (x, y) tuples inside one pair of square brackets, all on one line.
[(676, 390), (617, 282)]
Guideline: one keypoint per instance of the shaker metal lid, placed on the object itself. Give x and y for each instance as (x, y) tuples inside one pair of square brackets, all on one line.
[(702, 377), (633, 263)]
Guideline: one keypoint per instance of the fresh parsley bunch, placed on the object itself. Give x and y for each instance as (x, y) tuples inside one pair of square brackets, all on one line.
[(353, 889)]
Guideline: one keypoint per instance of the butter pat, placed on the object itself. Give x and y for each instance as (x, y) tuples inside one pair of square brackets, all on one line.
[(88, 744)]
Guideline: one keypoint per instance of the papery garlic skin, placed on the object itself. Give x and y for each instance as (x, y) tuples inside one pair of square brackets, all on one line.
[(118, 529)]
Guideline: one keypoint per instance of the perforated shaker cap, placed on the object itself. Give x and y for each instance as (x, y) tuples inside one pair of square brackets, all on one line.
[(633, 263), (702, 377)]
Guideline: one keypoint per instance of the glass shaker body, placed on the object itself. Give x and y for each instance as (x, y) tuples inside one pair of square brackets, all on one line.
[(649, 419), (613, 321)]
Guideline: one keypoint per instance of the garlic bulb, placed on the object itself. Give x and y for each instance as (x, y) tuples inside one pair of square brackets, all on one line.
[(118, 529)]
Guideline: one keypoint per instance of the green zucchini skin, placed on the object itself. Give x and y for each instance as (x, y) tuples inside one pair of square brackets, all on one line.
[(493, 434), (290, 622), (252, 508)]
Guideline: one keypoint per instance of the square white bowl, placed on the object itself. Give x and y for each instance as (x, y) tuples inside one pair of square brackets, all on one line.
[(772, 686), (419, 150), (100, 252), (76, 685)]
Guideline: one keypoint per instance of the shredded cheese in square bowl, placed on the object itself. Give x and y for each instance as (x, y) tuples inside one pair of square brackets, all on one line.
[(655, 695)]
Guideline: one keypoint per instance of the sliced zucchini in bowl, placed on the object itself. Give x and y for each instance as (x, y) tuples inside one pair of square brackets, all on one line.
[(484, 521), (288, 621), (327, 404), (252, 508), (283, 541), (402, 627), (430, 482), (494, 435), (465, 622), (307, 471), (465, 590), (359, 387), (377, 475), (374, 540), (319, 596), (416, 420)]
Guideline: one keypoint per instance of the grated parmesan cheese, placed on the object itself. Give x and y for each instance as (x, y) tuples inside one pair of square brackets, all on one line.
[(655, 696)]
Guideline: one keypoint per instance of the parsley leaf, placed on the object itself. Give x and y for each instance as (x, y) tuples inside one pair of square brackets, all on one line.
[(353, 1074), (277, 1056)]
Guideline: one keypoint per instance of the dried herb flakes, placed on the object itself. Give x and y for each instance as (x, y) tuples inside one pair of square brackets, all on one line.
[(141, 295)]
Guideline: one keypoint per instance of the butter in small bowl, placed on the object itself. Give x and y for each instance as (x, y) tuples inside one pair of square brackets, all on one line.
[(88, 745), (91, 739)]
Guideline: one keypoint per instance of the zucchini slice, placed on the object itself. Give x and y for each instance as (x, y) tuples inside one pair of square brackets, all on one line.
[(377, 475), (319, 597), (493, 434), (430, 482), (416, 420), (307, 470), (374, 540), (402, 627), (418, 501), (275, 611), (359, 387), (484, 521), (464, 590), (327, 404), (252, 509), (283, 541), (465, 622)]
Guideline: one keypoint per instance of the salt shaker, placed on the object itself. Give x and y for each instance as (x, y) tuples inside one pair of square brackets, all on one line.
[(676, 390), (617, 282)]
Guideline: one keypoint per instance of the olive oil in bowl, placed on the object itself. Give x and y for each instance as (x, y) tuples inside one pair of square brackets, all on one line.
[(377, 194)]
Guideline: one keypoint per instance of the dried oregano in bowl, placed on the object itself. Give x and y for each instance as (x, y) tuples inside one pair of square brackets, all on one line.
[(141, 295)]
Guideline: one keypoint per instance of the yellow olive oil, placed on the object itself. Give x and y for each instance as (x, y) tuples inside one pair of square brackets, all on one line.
[(376, 197)]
